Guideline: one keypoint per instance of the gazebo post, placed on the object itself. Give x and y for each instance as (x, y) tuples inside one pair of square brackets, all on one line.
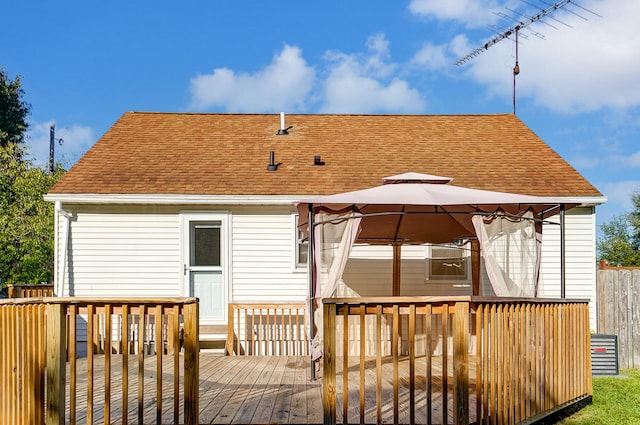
[(562, 254), (475, 267), (397, 261), (312, 285)]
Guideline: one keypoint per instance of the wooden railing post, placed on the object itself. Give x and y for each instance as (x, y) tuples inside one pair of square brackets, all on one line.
[(230, 331), (56, 331), (461, 363), (191, 363), (329, 364)]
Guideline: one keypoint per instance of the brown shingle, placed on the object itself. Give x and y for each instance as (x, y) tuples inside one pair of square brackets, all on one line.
[(228, 154)]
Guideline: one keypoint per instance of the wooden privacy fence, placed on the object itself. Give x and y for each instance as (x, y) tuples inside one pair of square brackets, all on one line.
[(267, 329), (131, 340), (498, 362), (618, 306)]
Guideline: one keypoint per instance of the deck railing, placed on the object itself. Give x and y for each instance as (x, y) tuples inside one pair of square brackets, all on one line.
[(256, 329), (126, 338), (38, 290), (454, 360)]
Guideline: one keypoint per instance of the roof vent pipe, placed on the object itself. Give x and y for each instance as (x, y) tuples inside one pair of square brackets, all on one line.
[(272, 164), (283, 130)]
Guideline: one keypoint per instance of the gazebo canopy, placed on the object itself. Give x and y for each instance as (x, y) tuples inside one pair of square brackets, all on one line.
[(416, 208)]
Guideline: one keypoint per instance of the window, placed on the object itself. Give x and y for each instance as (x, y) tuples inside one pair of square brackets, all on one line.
[(301, 246), (448, 262), (205, 243)]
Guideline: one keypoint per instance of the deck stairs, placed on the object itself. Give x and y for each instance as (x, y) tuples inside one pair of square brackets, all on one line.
[(213, 339)]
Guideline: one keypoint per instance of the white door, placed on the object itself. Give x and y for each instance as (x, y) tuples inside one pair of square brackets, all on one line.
[(204, 265)]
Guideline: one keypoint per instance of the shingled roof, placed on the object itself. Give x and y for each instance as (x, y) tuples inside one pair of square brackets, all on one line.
[(228, 154)]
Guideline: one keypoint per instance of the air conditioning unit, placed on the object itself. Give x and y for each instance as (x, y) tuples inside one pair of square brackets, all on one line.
[(604, 354)]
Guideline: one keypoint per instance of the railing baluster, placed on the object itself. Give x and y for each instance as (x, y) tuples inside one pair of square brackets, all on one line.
[(73, 310), (428, 359), (90, 349), (362, 361), (412, 363), (379, 363), (159, 348), (175, 343), (56, 363), (345, 364), (125, 363), (329, 365), (107, 363), (445, 367), (142, 328)]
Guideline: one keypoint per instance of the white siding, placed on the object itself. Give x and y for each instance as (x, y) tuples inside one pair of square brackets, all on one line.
[(123, 251), (263, 254), (369, 272), (136, 251), (580, 258)]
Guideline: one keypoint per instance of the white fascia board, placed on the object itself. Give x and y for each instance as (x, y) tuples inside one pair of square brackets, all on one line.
[(584, 201), (160, 199), (156, 199)]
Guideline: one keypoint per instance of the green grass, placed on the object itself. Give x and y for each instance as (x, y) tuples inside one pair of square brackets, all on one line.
[(616, 401)]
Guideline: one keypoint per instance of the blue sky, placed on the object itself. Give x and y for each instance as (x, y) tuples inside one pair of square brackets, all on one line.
[(83, 64)]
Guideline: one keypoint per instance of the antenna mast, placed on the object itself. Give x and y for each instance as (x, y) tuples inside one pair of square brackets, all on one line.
[(514, 30)]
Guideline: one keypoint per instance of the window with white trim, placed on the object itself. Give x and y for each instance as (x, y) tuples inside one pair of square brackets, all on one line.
[(301, 246), (448, 262)]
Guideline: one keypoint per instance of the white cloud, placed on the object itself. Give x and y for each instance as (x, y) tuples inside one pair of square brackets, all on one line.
[(352, 83), (432, 57), (592, 65), (365, 83), (472, 13), (283, 85), (71, 142)]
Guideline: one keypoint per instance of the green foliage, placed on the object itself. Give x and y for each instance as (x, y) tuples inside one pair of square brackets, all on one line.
[(26, 220), (619, 242), (13, 111), (616, 401)]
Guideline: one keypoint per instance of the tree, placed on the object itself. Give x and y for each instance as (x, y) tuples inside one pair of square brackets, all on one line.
[(619, 242), (14, 111), (26, 220)]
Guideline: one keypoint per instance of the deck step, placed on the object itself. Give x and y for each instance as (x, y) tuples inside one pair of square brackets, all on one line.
[(213, 339), (213, 333)]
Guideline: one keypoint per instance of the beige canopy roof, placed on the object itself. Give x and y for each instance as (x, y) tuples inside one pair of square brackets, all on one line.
[(414, 208)]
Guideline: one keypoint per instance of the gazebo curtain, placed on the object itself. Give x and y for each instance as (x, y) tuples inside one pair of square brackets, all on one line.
[(334, 239), (511, 249), (510, 246)]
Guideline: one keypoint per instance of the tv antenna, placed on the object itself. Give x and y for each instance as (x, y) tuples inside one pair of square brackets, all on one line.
[(515, 30)]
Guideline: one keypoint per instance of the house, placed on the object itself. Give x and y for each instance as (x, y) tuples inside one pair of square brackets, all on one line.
[(183, 204)]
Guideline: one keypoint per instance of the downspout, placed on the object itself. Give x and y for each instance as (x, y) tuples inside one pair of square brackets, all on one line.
[(61, 262), (562, 254), (312, 278)]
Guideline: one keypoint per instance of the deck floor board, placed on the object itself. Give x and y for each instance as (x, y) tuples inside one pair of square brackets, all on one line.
[(261, 389)]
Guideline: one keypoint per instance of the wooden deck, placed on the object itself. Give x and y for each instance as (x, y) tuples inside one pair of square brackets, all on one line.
[(238, 390), (257, 390)]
